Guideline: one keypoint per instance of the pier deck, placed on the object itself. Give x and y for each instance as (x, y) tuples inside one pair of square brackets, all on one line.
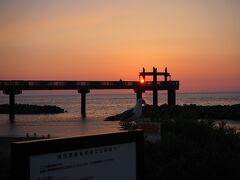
[(14, 87), (91, 85)]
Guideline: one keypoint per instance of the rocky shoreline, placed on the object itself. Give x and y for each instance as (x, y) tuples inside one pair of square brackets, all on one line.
[(192, 111), (31, 109)]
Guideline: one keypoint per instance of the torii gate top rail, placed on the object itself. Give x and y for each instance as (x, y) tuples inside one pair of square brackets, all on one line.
[(71, 85)]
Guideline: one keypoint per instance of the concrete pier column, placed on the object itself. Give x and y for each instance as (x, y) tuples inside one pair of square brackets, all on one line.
[(12, 94), (11, 106), (155, 90), (83, 101), (172, 97), (138, 94)]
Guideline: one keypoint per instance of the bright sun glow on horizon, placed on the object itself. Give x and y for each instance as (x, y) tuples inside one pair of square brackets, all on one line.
[(142, 81), (199, 41)]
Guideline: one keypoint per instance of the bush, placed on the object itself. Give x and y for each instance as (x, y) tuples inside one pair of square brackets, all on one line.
[(193, 149)]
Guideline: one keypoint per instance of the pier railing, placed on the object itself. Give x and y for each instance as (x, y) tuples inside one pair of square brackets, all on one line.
[(61, 85)]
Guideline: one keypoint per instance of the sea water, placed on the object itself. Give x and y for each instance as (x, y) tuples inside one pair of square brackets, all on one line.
[(99, 106)]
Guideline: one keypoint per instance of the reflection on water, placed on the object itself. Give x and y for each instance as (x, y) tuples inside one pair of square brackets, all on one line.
[(54, 125), (98, 107)]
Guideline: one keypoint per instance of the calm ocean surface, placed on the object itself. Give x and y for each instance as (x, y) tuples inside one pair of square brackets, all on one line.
[(99, 106)]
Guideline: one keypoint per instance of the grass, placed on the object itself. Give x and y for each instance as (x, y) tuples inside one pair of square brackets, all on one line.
[(192, 149)]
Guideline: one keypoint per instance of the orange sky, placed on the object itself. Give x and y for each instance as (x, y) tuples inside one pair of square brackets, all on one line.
[(199, 41)]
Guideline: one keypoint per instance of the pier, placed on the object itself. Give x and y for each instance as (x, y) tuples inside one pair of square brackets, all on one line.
[(13, 87)]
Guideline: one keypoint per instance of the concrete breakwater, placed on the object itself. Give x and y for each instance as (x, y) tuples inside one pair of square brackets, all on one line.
[(193, 111), (31, 109)]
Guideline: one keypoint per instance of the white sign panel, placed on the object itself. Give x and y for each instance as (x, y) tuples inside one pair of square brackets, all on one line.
[(114, 162)]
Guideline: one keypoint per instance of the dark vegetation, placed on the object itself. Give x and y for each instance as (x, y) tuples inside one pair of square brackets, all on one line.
[(31, 109), (192, 149), (192, 145)]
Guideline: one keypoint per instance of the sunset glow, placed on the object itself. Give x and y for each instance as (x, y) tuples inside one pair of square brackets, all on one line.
[(142, 81), (199, 41)]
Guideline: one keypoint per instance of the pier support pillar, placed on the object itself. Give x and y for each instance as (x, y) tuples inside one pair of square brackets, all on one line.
[(12, 94), (155, 97), (172, 97), (83, 101), (155, 89), (138, 93)]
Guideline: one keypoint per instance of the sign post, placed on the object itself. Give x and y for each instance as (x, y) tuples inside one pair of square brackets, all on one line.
[(107, 156)]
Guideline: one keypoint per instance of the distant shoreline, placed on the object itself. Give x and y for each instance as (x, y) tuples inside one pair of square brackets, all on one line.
[(31, 109)]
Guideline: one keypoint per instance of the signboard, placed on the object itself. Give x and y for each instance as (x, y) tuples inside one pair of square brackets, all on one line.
[(108, 156)]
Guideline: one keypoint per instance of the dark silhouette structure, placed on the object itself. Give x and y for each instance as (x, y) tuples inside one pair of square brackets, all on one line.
[(13, 88), (172, 86), (12, 92)]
